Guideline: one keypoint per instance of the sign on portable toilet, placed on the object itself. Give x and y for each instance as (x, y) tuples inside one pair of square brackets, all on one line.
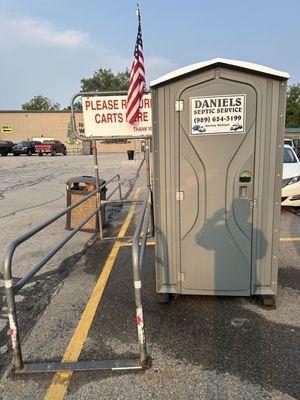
[(218, 129)]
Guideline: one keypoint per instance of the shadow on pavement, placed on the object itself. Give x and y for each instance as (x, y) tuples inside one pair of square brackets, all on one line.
[(217, 333)]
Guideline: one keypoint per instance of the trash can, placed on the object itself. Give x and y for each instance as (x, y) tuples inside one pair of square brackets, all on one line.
[(87, 147), (77, 187), (130, 154)]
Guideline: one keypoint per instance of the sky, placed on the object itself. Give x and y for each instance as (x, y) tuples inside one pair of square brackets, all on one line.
[(48, 46)]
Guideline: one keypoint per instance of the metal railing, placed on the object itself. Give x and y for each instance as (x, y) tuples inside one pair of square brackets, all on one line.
[(11, 289)]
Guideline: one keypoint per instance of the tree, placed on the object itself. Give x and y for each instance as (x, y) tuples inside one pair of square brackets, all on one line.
[(77, 106), (40, 103), (104, 80), (293, 106), (72, 139)]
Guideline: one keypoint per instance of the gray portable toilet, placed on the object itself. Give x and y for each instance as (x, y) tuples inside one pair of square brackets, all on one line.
[(218, 129)]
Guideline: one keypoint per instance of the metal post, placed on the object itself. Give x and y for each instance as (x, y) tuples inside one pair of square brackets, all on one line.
[(119, 184), (12, 317), (140, 316), (94, 146), (147, 156), (137, 290), (148, 169)]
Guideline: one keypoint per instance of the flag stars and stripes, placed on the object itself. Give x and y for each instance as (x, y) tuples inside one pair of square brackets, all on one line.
[(137, 82)]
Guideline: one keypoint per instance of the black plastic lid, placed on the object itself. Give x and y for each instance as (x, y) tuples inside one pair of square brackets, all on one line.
[(84, 179)]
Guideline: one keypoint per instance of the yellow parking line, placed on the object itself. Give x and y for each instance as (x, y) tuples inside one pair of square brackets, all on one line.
[(61, 380), (290, 239), (127, 244)]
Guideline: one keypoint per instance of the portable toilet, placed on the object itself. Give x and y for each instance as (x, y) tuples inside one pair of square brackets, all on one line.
[(218, 130)]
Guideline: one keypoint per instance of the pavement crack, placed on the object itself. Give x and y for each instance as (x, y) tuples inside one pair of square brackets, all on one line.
[(32, 207), (30, 183)]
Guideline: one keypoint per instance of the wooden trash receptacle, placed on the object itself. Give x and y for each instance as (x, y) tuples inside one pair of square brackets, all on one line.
[(77, 187)]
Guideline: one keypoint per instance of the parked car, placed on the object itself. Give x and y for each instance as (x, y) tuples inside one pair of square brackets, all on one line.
[(293, 145), (236, 127), (52, 147), (25, 147), (291, 178), (199, 128), (6, 147)]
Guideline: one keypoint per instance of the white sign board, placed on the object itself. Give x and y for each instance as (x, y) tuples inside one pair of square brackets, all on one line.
[(105, 116), (218, 114)]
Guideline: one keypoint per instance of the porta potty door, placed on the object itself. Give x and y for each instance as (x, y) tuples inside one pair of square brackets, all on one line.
[(217, 126)]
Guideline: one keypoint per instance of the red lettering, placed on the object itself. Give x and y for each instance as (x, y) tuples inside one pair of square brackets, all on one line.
[(140, 129), (146, 103), (115, 117), (111, 104), (108, 118), (143, 116), (87, 104), (124, 103)]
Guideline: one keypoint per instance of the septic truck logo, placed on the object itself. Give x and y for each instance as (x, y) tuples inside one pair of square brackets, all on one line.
[(218, 114)]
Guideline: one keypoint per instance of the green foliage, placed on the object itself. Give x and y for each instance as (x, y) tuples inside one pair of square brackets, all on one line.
[(71, 138), (293, 106), (77, 106), (40, 103), (104, 80)]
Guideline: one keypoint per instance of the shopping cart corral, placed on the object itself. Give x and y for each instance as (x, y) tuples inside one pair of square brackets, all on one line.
[(11, 289)]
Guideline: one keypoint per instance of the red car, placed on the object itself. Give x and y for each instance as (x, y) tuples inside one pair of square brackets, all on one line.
[(52, 147)]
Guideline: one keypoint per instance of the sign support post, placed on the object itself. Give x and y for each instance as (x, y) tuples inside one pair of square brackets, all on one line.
[(149, 183), (96, 167)]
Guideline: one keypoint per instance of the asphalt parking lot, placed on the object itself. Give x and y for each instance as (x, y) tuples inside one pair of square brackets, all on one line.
[(201, 347)]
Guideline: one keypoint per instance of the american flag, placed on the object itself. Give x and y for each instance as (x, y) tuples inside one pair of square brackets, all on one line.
[(137, 80)]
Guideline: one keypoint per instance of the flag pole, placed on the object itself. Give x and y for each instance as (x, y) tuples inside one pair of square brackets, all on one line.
[(147, 153)]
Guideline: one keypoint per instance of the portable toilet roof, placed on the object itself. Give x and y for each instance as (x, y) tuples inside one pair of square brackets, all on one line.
[(261, 69)]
